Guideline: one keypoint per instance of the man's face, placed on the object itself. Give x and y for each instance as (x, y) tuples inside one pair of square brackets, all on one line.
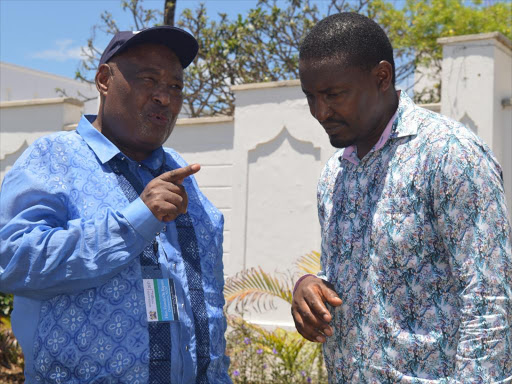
[(346, 101), (143, 99)]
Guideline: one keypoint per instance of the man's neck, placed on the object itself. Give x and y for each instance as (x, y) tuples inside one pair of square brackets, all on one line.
[(138, 155), (364, 148)]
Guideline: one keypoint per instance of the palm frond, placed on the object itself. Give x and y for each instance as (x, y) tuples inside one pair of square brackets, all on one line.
[(310, 263), (257, 288)]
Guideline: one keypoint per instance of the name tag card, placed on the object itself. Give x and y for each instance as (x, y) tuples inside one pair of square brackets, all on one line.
[(161, 302)]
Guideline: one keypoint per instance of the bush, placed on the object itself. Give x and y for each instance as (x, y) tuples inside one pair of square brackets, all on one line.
[(279, 356), (11, 357), (5, 305)]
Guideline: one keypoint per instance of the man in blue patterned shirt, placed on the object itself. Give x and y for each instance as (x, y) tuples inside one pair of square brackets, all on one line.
[(416, 254), (112, 252)]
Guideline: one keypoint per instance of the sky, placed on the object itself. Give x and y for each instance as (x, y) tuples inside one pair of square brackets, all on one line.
[(47, 35)]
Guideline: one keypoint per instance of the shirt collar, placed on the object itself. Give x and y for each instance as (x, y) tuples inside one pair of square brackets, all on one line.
[(406, 123), (105, 150), (394, 129)]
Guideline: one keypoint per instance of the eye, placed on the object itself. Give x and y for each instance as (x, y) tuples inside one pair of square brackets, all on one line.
[(335, 94), (149, 80), (176, 88)]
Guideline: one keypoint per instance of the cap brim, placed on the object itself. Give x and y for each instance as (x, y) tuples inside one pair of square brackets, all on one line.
[(182, 43)]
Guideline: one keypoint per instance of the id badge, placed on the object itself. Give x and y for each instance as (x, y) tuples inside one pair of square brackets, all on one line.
[(160, 298)]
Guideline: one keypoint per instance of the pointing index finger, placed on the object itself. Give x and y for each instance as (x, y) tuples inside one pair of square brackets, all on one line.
[(178, 175)]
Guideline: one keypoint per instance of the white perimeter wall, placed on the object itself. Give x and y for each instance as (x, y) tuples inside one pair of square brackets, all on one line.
[(209, 142), (24, 121), (21, 83)]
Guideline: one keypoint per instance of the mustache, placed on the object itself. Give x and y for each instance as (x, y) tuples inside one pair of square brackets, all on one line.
[(333, 123), (162, 113)]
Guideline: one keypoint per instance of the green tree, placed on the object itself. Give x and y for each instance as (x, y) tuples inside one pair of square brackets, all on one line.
[(262, 45), (415, 28)]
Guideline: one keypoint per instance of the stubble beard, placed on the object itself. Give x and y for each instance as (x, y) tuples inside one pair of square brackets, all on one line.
[(146, 131), (340, 143)]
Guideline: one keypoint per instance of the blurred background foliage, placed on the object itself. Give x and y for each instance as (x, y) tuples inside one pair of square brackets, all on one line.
[(11, 357)]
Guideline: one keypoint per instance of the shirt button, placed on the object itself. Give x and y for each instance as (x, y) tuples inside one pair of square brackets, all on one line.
[(175, 267), (122, 158), (157, 234), (164, 229), (186, 347), (352, 215), (182, 305)]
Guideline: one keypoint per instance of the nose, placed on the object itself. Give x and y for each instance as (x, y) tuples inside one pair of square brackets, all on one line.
[(321, 111), (161, 96)]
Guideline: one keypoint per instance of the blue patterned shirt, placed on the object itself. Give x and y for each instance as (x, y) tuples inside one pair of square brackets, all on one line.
[(70, 242), (416, 241)]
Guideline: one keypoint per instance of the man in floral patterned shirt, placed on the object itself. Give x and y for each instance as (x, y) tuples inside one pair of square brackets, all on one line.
[(416, 254)]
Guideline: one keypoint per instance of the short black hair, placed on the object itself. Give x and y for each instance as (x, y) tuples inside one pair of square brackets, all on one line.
[(354, 38)]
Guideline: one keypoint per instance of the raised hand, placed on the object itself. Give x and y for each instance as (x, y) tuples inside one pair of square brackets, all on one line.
[(165, 195)]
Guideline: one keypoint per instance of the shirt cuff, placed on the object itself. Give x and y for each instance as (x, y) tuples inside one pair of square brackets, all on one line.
[(142, 219), (298, 282)]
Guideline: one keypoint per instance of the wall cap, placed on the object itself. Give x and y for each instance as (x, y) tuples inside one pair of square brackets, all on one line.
[(204, 120), (479, 36), (268, 84), (34, 102), (434, 107), (35, 72)]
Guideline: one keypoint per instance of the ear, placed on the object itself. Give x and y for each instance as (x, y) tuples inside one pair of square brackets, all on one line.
[(384, 74), (103, 78)]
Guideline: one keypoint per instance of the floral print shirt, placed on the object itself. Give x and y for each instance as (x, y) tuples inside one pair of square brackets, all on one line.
[(416, 241)]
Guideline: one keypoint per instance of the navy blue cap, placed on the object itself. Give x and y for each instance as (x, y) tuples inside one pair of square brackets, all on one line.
[(182, 43)]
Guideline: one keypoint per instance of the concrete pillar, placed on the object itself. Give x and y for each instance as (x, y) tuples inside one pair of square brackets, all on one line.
[(279, 151), (477, 89)]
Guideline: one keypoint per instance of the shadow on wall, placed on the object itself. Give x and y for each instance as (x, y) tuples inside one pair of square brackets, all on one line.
[(266, 149)]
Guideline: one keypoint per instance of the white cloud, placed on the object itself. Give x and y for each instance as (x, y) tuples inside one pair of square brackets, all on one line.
[(65, 51)]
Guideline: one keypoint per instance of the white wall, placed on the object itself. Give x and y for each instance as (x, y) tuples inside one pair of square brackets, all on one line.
[(209, 142), (22, 122), (21, 83), (279, 153), (425, 80)]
